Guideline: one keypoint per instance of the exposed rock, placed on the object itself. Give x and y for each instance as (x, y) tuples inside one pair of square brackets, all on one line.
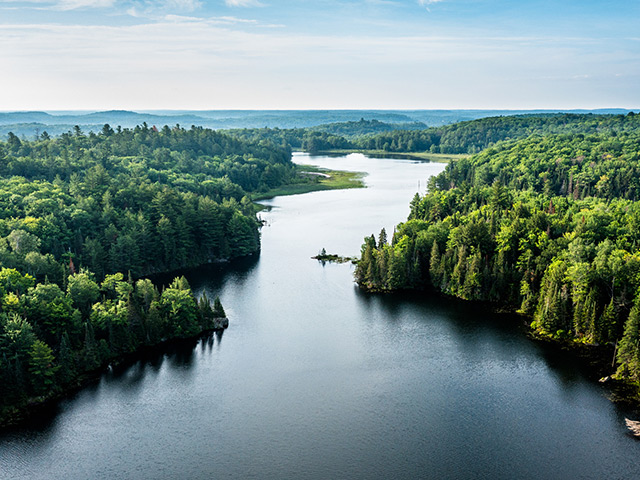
[(220, 323)]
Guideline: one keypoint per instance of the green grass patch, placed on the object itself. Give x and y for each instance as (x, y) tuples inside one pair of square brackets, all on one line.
[(313, 179)]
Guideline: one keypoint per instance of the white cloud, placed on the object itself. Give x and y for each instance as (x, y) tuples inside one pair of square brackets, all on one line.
[(182, 5), (226, 20), (181, 18), (67, 4), (199, 63), (74, 4), (243, 3), (162, 9)]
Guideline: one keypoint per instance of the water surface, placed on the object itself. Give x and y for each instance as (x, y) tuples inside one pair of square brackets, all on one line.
[(316, 380)]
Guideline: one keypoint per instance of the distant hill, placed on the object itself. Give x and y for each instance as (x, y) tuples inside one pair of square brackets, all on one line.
[(366, 127), (31, 123)]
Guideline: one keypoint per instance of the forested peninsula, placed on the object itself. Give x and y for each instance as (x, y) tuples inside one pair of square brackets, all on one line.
[(548, 225), (84, 218)]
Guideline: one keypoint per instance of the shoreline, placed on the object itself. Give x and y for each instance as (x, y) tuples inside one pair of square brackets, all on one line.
[(16, 416), (422, 156), (596, 360), (323, 179)]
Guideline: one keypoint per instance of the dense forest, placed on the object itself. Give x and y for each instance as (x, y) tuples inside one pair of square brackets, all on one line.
[(82, 216), (474, 136), (136, 200), (460, 138), (548, 225)]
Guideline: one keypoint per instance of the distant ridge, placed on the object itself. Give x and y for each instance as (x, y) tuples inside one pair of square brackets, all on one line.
[(32, 123)]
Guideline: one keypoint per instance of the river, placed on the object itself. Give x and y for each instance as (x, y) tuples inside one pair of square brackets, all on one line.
[(317, 380)]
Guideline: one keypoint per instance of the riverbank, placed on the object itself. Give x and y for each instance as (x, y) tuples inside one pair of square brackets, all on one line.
[(596, 360), (313, 179), (599, 366), (32, 407), (424, 156)]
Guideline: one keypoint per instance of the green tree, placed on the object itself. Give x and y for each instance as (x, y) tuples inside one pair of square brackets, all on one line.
[(218, 311), (41, 368), (628, 355), (179, 307), (83, 290)]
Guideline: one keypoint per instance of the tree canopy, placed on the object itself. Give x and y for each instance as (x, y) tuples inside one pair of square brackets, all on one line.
[(83, 215), (548, 225)]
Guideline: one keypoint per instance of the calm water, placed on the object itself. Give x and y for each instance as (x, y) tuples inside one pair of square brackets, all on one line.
[(315, 380)]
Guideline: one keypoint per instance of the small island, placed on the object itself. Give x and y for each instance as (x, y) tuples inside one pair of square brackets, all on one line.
[(323, 257)]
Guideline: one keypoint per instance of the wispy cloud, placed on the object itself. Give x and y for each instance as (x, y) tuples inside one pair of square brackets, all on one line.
[(181, 61), (133, 7), (427, 3), (243, 3), (182, 5), (65, 4), (158, 10), (225, 20), (74, 4)]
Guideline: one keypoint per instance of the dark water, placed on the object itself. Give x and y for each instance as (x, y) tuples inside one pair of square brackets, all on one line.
[(316, 380)]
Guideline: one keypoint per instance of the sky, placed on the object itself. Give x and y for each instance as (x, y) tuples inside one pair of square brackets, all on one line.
[(320, 54)]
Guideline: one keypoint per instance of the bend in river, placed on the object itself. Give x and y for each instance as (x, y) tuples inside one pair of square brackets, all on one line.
[(317, 380)]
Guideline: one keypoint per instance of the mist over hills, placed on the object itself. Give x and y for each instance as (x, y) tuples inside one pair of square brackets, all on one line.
[(29, 124)]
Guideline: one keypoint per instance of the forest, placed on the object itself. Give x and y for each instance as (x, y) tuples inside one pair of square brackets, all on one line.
[(548, 225), (544, 219), (84, 218), (477, 135), (467, 137)]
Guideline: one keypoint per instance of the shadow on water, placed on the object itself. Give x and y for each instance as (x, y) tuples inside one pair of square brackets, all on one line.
[(476, 325), (182, 355), (129, 375), (42, 423), (462, 316), (127, 378), (213, 275)]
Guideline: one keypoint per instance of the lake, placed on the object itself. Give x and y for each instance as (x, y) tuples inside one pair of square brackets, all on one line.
[(317, 380)]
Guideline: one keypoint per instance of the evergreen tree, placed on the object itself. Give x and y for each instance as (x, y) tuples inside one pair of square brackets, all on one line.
[(218, 311), (628, 355), (41, 368)]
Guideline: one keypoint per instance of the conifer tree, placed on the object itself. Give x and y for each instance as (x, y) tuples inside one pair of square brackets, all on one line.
[(628, 356), (41, 368), (218, 311)]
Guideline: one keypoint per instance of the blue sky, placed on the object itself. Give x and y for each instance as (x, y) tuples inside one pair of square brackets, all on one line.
[(275, 54)]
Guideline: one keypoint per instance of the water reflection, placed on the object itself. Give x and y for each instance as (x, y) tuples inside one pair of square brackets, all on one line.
[(476, 329), (128, 379), (219, 335), (181, 356), (214, 275)]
